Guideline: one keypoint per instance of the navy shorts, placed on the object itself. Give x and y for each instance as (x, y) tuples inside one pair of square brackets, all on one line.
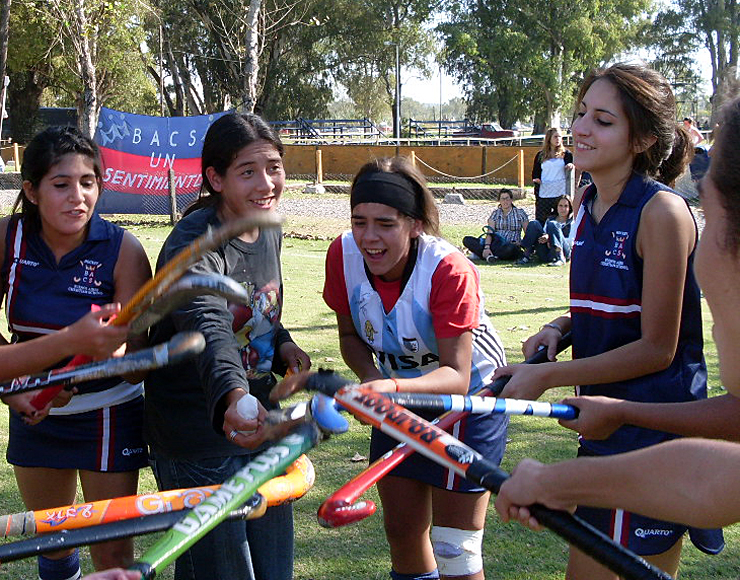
[(110, 439), (647, 536), (484, 433)]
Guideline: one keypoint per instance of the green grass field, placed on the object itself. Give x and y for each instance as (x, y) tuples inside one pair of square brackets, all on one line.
[(518, 300)]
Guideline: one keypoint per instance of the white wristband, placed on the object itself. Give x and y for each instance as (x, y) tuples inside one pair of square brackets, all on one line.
[(555, 326)]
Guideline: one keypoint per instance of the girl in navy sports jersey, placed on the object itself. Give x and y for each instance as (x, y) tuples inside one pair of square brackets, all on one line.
[(635, 312), (59, 258), (411, 318), (693, 481)]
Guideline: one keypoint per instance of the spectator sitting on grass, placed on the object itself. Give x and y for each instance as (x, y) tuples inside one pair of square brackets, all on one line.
[(503, 233), (551, 243)]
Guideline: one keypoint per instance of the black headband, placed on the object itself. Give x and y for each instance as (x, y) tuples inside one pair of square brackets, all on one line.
[(391, 189)]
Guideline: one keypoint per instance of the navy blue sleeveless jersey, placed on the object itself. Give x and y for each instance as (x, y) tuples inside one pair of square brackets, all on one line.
[(43, 296), (606, 306)]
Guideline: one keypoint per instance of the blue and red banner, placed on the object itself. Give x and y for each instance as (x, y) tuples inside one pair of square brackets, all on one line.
[(138, 152)]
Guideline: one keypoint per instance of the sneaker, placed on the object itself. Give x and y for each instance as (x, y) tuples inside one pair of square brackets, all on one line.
[(557, 263), (491, 259), (523, 260)]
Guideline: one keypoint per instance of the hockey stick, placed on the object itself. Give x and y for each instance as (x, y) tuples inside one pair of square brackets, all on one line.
[(185, 529), (479, 405), (298, 480), (308, 421), (180, 347), (183, 291), (446, 450), (211, 512), (179, 264), (342, 508), (254, 507), (171, 272), (179, 293)]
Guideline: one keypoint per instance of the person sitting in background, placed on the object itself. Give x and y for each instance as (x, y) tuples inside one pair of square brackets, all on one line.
[(696, 136), (551, 243), (549, 174), (503, 233)]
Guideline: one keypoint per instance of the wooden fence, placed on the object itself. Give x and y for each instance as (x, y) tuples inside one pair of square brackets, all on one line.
[(501, 164)]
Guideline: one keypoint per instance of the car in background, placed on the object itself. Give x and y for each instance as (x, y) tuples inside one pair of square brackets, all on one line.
[(487, 131), (496, 131)]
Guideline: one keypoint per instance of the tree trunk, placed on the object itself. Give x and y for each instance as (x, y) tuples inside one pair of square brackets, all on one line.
[(176, 78), (4, 35), (251, 61), (24, 100), (88, 106)]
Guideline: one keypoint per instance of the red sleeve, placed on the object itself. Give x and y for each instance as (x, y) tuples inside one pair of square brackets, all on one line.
[(453, 300), (335, 288)]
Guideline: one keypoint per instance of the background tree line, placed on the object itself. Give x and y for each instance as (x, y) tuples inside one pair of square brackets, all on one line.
[(517, 59)]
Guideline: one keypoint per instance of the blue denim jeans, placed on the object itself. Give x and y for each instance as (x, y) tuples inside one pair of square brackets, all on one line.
[(550, 250), (260, 549)]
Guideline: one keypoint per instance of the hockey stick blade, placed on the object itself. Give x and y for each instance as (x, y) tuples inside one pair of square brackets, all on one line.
[(179, 264), (185, 290), (180, 347)]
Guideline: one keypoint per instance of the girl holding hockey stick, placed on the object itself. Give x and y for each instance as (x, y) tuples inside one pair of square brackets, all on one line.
[(693, 481), (411, 318), (59, 258), (204, 418), (633, 293)]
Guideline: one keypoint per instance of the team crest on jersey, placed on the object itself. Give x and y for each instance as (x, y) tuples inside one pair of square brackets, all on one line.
[(86, 280), (87, 276), (411, 344), (370, 332), (614, 257), (617, 251)]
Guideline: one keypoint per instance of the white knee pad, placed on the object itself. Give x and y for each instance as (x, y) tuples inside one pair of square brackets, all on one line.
[(458, 552)]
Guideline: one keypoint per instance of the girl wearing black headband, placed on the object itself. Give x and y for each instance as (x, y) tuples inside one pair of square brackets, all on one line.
[(411, 318)]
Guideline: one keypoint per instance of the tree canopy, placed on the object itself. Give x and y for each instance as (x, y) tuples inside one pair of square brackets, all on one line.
[(516, 59)]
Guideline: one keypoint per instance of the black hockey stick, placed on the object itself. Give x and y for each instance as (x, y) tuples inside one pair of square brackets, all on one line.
[(180, 347)]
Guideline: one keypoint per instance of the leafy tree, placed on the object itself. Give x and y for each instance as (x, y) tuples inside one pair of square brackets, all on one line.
[(519, 57), (81, 53), (211, 49), (29, 68), (363, 58), (713, 25)]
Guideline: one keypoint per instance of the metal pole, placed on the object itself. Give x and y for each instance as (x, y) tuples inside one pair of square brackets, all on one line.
[(440, 101), (161, 74), (398, 94)]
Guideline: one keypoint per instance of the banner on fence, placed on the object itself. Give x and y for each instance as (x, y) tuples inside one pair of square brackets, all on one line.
[(138, 152)]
